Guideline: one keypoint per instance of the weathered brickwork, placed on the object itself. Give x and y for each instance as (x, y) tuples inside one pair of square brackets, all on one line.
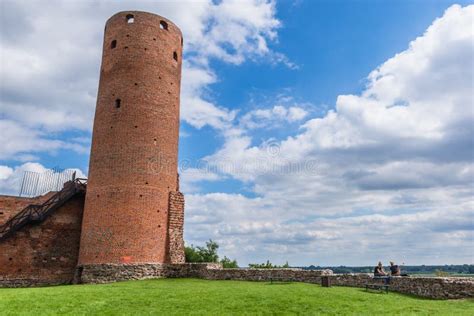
[(175, 227), (11, 205), (134, 153), (44, 253)]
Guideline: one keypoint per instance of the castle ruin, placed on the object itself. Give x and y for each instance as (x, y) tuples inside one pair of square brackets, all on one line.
[(131, 211), (126, 222)]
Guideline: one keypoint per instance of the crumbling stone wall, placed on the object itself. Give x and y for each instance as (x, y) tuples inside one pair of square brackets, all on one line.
[(288, 275), (175, 228), (436, 288), (106, 273), (43, 253)]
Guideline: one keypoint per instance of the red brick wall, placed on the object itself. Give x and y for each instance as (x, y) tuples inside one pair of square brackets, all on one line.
[(11, 205), (46, 252), (134, 153), (175, 228)]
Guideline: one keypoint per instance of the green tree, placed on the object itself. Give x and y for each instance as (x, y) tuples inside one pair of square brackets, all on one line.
[(441, 273), (207, 253), (267, 265), (192, 254), (228, 264)]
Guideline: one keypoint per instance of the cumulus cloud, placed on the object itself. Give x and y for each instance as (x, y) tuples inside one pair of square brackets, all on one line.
[(189, 177), (18, 140), (387, 173), (11, 178), (51, 54), (272, 117)]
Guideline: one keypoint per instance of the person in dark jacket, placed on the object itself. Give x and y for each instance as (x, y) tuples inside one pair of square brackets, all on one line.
[(379, 271)]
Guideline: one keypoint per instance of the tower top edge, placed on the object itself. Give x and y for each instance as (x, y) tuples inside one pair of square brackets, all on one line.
[(137, 14)]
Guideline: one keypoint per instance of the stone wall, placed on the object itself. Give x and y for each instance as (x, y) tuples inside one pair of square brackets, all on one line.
[(44, 253), (175, 227), (437, 288), (106, 273), (288, 275)]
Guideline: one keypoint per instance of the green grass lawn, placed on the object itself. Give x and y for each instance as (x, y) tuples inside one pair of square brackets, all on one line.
[(201, 297)]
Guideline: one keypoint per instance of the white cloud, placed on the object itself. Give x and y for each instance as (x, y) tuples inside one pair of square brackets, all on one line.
[(11, 178), (51, 54), (17, 140), (189, 177), (387, 174), (272, 112)]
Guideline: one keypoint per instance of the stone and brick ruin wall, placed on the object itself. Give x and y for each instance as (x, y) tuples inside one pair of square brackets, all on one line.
[(134, 155), (43, 253), (175, 228), (133, 211), (435, 288)]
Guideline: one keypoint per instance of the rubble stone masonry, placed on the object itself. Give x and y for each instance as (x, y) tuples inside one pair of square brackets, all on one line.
[(435, 288), (175, 227)]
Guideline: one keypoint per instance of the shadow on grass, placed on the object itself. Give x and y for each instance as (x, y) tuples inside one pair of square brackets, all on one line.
[(279, 283), (372, 291)]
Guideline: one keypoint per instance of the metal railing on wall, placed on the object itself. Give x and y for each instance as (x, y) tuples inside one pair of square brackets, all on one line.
[(38, 183)]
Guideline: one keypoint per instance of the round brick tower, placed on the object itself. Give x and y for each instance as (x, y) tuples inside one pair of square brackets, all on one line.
[(134, 155)]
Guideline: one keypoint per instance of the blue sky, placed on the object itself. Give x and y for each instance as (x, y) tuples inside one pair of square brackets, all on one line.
[(314, 132)]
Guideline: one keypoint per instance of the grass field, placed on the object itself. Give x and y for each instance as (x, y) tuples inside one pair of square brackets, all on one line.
[(200, 297)]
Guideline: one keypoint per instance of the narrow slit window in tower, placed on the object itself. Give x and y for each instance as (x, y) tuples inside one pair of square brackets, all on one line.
[(163, 25), (118, 103), (175, 56), (130, 18), (113, 44)]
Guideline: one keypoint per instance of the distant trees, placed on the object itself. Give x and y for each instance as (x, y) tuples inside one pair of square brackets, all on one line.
[(441, 273), (208, 254), (267, 265), (465, 269)]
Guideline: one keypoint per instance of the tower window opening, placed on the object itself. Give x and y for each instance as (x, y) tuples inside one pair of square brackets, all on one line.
[(163, 25), (113, 44), (130, 18), (118, 103), (181, 41), (175, 56)]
